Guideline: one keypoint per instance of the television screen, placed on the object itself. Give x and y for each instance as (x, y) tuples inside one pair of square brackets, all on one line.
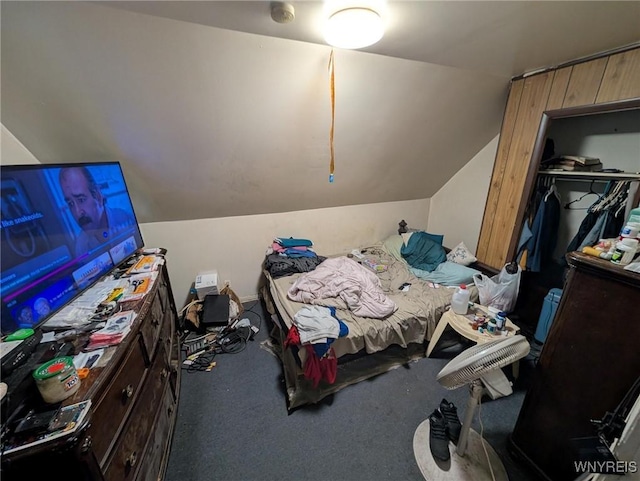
[(63, 228)]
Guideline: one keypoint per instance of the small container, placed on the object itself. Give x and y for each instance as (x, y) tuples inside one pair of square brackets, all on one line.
[(491, 327), (624, 252), (634, 215), (460, 300), (630, 229), (57, 379), (501, 319)]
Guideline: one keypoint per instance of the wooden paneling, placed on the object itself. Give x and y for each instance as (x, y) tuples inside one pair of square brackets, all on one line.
[(607, 79), (499, 167), (584, 83), (532, 105), (559, 88), (621, 78)]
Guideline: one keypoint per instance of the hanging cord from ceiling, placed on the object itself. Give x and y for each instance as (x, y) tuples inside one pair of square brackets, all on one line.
[(332, 90)]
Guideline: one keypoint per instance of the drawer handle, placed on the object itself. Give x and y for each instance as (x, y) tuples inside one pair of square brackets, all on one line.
[(132, 459), (127, 392), (86, 444)]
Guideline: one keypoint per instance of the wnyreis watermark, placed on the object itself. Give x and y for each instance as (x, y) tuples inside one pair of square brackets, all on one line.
[(606, 467)]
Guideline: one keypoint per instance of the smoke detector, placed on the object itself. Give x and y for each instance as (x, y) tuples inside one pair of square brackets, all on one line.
[(282, 12)]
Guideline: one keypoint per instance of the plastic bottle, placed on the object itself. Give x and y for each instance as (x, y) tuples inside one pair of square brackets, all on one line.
[(630, 229), (625, 252), (460, 300), (634, 215), (501, 318)]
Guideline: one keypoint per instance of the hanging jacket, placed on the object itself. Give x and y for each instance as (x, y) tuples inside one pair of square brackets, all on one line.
[(544, 232)]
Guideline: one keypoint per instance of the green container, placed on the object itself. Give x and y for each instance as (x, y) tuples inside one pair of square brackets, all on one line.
[(57, 379), (634, 215)]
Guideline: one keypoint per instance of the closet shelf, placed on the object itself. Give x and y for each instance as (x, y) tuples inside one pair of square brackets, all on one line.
[(604, 176)]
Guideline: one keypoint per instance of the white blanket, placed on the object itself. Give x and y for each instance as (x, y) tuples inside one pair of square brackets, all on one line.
[(343, 278)]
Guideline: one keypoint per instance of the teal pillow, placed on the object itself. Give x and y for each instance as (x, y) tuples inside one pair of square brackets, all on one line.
[(422, 252), (448, 274), (437, 238)]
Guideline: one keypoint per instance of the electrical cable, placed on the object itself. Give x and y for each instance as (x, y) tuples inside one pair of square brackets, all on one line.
[(204, 362), (250, 309), (228, 341), (182, 311), (482, 439)]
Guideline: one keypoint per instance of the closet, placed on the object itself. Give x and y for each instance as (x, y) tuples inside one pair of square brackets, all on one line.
[(585, 88), (577, 208), (589, 107)]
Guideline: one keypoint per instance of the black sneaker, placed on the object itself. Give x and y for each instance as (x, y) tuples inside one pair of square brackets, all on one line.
[(450, 414), (438, 438)]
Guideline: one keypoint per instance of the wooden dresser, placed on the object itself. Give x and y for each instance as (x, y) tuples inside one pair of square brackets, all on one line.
[(589, 361), (134, 405)]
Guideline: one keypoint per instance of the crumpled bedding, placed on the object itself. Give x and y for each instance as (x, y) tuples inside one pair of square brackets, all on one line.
[(343, 279), (418, 310)]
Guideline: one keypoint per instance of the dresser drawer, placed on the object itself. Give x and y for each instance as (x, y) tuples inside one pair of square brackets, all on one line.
[(158, 448), (150, 329), (163, 292), (111, 411), (128, 453)]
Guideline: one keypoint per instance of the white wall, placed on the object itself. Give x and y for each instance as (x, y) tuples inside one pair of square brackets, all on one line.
[(235, 246), (12, 152), (457, 208)]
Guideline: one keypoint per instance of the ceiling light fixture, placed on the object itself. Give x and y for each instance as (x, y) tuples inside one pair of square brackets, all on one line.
[(353, 28)]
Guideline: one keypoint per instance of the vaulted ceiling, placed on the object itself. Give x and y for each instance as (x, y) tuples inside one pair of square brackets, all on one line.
[(215, 110)]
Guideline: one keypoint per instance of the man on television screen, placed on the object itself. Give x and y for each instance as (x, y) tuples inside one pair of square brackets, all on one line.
[(99, 222)]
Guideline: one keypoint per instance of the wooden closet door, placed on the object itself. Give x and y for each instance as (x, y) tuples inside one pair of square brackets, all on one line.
[(517, 140), (605, 79)]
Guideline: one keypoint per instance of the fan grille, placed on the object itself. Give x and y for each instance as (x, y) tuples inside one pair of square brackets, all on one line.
[(482, 358)]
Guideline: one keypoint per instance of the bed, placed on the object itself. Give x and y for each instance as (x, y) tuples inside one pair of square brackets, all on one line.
[(373, 345)]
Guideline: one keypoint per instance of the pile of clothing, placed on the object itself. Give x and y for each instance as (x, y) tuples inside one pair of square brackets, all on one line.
[(286, 256), (315, 328)]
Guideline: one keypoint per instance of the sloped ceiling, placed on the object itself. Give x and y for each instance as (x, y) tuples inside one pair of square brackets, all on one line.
[(215, 110)]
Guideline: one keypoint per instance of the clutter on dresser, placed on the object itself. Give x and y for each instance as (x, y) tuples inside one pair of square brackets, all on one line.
[(621, 250)]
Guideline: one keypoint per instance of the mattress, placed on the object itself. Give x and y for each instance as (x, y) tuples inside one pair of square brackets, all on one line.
[(373, 345), (418, 308)]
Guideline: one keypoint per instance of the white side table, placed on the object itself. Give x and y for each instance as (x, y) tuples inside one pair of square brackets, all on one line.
[(462, 325)]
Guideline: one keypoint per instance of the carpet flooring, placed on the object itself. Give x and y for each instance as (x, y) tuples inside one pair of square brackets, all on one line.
[(233, 422)]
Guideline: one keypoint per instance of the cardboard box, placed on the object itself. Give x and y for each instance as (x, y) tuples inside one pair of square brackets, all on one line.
[(206, 283)]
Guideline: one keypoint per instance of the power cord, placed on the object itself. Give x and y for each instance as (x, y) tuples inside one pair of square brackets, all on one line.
[(493, 476), (230, 340), (204, 362)]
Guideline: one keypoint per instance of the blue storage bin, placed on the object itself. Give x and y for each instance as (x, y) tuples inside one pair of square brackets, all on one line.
[(549, 308)]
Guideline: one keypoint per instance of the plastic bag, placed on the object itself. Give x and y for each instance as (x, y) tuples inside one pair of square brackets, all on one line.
[(499, 291)]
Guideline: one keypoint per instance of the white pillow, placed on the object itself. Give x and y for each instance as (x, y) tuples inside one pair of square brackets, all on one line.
[(461, 255)]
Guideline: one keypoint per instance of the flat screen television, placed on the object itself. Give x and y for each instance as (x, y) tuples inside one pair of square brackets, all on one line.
[(63, 227)]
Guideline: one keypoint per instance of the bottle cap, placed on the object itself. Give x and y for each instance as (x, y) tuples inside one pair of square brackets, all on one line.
[(463, 286)]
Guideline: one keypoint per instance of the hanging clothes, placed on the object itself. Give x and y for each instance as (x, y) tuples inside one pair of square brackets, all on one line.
[(585, 227), (544, 231), (604, 219)]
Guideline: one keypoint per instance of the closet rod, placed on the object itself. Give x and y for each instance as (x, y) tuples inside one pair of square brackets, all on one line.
[(590, 176)]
